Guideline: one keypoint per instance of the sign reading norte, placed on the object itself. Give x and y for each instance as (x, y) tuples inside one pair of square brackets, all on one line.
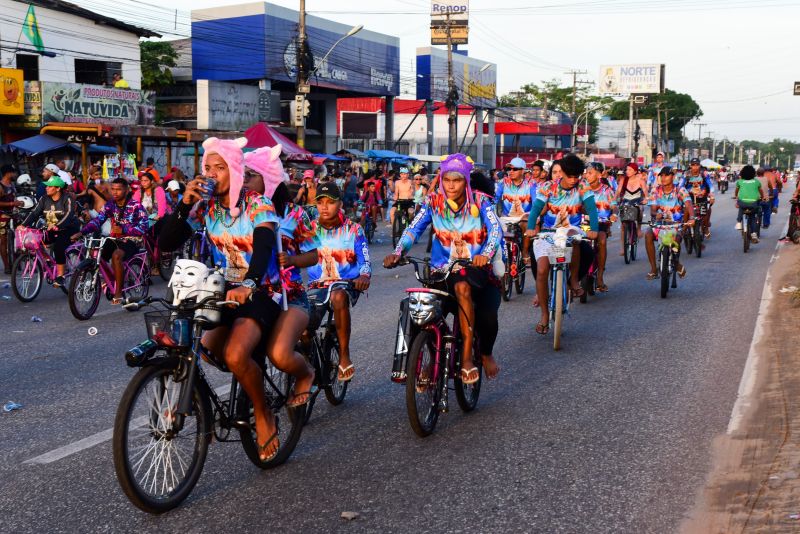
[(628, 79)]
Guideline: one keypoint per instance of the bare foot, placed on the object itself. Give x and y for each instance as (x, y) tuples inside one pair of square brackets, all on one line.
[(490, 366)]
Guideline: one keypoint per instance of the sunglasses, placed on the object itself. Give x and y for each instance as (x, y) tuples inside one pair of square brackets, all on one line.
[(509, 169)]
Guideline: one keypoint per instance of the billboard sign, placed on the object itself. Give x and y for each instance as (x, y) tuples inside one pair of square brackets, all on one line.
[(74, 102), (458, 35), (629, 79), (33, 108), (12, 99), (796, 88), (476, 80), (456, 11), (226, 106)]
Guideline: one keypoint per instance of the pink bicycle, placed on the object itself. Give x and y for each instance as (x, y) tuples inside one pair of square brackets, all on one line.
[(95, 275), (35, 264)]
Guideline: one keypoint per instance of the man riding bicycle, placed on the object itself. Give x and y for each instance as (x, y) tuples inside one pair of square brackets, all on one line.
[(129, 222), (667, 203), (403, 194), (562, 202), (515, 195), (464, 227), (749, 193), (701, 193), (605, 199), (343, 255)]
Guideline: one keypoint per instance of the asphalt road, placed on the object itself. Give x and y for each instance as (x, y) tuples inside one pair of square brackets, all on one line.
[(612, 434)]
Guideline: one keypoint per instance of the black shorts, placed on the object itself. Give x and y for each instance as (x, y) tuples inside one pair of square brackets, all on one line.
[(263, 309), (405, 204), (128, 247)]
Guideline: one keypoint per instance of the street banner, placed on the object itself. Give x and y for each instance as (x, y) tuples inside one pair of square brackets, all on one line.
[(72, 102), (458, 35)]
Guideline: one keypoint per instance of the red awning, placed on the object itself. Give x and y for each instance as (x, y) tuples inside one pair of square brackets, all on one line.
[(261, 134)]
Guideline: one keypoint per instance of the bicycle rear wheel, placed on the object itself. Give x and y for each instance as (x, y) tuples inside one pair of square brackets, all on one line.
[(397, 228), (84, 291), (424, 384), (558, 311), (746, 235), (157, 465), (519, 280), (698, 241), (26, 277), (135, 282), (467, 394), (689, 241)]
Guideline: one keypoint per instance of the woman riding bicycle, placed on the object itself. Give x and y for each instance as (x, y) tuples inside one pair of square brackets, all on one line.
[(153, 199), (58, 209), (632, 190), (465, 226), (241, 227)]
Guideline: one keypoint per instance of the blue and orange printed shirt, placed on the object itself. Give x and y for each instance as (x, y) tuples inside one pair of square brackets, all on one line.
[(297, 236), (457, 234), (131, 218), (343, 253), (669, 204), (516, 200), (605, 199), (558, 205)]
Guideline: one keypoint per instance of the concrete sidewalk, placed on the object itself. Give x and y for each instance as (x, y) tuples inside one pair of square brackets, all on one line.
[(754, 485)]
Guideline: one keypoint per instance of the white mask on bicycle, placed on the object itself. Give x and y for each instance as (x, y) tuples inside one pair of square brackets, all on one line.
[(188, 277)]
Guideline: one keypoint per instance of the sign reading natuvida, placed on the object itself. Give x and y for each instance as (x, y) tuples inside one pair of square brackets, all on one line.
[(72, 102), (629, 79)]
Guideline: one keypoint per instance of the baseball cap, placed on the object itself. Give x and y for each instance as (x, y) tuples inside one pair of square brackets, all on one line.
[(694, 161), (308, 173), (403, 170), (659, 154), (517, 163), (173, 185), (55, 181), (330, 190), (52, 167), (64, 175), (666, 170)]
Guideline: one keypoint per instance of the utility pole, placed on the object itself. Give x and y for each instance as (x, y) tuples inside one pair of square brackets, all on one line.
[(452, 94), (630, 127), (658, 115), (699, 130), (302, 82), (666, 131)]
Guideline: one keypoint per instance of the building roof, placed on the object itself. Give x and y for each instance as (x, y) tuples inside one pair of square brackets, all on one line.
[(72, 9)]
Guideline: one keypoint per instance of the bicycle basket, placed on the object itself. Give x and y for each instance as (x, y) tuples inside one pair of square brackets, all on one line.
[(629, 212), (167, 329), (28, 239)]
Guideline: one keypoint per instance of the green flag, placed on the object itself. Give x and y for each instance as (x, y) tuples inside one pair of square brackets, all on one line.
[(31, 29)]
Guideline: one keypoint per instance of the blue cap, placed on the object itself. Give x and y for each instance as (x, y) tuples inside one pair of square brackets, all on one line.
[(518, 163), (403, 170)]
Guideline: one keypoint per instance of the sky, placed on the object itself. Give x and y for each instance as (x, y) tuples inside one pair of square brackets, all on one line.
[(737, 58)]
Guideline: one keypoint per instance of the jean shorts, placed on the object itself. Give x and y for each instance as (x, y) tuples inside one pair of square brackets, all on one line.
[(300, 301)]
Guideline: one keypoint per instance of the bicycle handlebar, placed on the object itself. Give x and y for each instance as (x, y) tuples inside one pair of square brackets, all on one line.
[(147, 301)]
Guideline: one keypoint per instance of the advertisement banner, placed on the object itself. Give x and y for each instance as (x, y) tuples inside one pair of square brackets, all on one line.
[(73, 102), (456, 11), (476, 80), (628, 79), (12, 98), (226, 106), (33, 108), (458, 35)]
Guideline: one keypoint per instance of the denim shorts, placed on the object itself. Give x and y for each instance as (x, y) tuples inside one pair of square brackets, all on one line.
[(300, 301)]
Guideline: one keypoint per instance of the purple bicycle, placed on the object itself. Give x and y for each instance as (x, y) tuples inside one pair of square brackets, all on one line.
[(35, 264), (95, 275)]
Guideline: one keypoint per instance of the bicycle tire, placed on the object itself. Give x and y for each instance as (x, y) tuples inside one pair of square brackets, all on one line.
[(467, 394), (136, 292), (508, 287), (634, 242), (20, 266), (369, 230), (87, 274), (746, 238), (626, 246), (586, 285), (698, 242), (336, 390), (558, 311), (519, 282), (293, 418), (423, 426), (165, 264), (397, 228), (73, 260), (689, 242), (664, 263), (125, 418)]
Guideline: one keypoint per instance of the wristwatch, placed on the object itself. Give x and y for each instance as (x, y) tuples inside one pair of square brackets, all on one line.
[(249, 283)]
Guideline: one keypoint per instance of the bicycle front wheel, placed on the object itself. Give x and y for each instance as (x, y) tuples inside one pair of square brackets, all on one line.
[(664, 266), (424, 385), (26, 277), (626, 232), (336, 391), (84, 292), (558, 311), (158, 464)]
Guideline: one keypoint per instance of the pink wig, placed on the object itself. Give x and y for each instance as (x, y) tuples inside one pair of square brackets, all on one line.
[(266, 161), (229, 150)]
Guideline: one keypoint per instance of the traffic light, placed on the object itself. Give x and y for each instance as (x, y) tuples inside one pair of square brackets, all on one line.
[(300, 110)]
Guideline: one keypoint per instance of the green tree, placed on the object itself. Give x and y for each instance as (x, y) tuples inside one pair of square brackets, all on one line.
[(157, 57), (680, 110)]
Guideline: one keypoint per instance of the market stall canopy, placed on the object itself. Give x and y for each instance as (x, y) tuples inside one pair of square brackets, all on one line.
[(328, 157), (351, 151), (261, 135), (426, 158), (38, 144), (710, 164), (388, 154), (95, 149)]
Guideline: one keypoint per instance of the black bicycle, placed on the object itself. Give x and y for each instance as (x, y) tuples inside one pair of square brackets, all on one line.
[(629, 221), (401, 220), (169, 412)]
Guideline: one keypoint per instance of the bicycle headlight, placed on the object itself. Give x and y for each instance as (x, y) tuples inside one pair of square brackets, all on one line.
[(423, 307)]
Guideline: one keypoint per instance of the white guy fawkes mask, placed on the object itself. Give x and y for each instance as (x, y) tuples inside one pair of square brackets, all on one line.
[(188, 276)]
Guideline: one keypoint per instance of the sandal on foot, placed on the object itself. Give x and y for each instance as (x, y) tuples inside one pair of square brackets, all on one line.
[(542, 329), (652, 276), (308, 394), (466, 373), (343, 376), (577, 292), (527, 261), (262, 449), (682, 272), (116, 301), (602, 288)]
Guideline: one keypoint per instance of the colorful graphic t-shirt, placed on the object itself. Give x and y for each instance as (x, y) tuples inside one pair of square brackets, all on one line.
[(606, 201), (669, 204), (343, 253), (652, 173), (699, 190), (131, 218), (516, 199), (456, 234), (297, 237), (563, 204)]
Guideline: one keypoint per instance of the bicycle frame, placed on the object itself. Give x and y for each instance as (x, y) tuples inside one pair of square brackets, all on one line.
[(107, 271)]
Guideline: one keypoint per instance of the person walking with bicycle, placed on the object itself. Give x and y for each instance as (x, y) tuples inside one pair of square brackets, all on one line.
[(749, 193), (129, 223), (667, 203), (58, 209), (606, 202), (563, 201), (465, 227), (515, 195)]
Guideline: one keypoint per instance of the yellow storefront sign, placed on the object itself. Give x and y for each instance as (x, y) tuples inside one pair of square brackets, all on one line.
[(13, 91), (458, 35)]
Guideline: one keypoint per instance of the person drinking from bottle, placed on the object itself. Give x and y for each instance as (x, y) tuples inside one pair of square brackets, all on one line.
[(563, 201), (669, 204), (343, 255), (241, 227), (606, 202), (465, 227)]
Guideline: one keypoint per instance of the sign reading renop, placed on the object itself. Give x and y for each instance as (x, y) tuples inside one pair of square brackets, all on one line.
[(453, 10)]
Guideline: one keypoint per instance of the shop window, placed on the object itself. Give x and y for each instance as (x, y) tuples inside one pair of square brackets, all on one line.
[(359, 125), (95, 72), (29, 65)]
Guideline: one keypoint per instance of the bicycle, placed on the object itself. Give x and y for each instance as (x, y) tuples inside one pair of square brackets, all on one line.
[(34, 264), (560, 257), (434, 356), (165, 261), (401, 221), (197, 248), (667, 254), (589, 280), (723, 186), (169, 412), (693, 235), (323, 348), (794, 221), (750, 225), (369, 224), (629, 221), (514, 277), (95, 275)]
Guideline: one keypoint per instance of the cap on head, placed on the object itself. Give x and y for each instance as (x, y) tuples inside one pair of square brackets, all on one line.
[(52, 167), (518, 163), (403, 170), (173, 185), (694, 161), (666, 171), (659, 154), (55, 181), (308, 173), (329, 190)]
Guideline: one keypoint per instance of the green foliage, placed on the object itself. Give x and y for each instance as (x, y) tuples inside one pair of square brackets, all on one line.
[(156, 58), (681, 110)]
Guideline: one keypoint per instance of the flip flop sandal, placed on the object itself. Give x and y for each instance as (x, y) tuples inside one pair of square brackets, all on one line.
[(465, 374), (602, 288), (294, 404), (577, 293), (682, 272), (116, 301), (652, 276), (527, 261), (343, 371), (542, 329), (263, 448)]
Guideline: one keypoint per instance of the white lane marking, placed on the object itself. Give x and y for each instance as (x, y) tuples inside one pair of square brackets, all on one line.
[(744, 397), (95, 439)]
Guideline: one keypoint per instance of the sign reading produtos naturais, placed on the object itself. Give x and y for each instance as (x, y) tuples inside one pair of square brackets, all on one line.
[(11, 98), (629, 79), (71, 102)]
